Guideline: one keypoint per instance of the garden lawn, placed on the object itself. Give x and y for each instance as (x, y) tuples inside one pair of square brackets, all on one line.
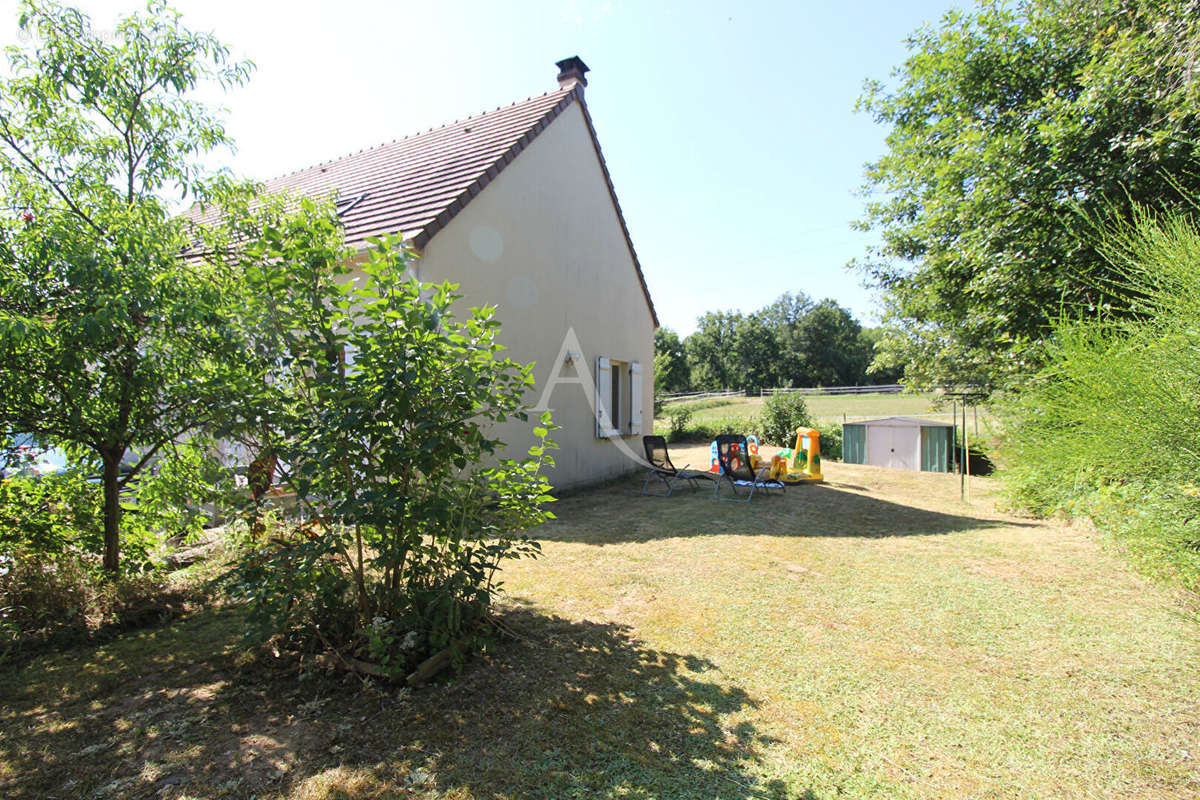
[(872, 637)]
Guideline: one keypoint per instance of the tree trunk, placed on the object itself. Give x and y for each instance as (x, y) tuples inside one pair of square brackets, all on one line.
[(112, 513)]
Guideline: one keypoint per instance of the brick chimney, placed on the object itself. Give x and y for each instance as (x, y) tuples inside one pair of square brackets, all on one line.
[(570, 72)]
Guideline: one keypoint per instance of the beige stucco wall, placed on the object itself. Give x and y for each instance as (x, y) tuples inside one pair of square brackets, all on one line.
[(543, 243)]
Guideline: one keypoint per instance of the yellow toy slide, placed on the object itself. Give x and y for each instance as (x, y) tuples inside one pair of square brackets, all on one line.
[(808, 447)]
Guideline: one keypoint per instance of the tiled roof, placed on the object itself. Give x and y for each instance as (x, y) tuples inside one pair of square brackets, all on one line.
[(417, 184)]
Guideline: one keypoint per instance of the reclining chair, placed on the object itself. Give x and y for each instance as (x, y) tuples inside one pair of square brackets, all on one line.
[(663, 470), (735, 468)]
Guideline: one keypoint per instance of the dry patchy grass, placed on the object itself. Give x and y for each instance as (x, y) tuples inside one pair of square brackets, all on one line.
[(871, 637), (825, 408), (831, 409)]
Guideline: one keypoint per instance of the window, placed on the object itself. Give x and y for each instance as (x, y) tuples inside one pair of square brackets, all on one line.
[(618, 398)]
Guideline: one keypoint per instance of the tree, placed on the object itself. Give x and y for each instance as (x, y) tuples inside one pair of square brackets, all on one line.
[(756, 353), (784, 316), (712, 351), (877, 371), (834, 351), (108, 340), (1011, 130), (378, 403), (671, 373), (791, 342)]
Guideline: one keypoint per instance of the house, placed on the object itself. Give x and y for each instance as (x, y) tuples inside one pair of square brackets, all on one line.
[(517, 206), (899, 442)]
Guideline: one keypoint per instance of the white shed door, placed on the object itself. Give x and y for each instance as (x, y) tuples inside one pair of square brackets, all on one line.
[(898, 448)]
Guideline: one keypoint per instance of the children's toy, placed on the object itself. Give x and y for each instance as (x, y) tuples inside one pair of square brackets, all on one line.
[(805, 458), (735, 454), (750, 457), (752, 452), (779, 466)]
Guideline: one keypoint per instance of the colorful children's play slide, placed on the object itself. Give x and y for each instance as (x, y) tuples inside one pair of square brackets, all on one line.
[(805, 466)]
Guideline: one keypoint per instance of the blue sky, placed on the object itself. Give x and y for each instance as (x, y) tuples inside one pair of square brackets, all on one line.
[(728, 127)]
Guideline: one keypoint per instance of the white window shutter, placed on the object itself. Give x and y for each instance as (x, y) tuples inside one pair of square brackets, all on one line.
[(635, 398), (604, 427)]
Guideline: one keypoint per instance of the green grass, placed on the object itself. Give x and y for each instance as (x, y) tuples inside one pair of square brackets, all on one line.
[(825, 408), (869, 638)]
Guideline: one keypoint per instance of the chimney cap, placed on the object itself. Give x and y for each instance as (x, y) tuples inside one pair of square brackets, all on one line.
[(571, 69)]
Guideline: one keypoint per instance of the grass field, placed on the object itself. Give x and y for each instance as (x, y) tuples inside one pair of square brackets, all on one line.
[(824, 408), (872, 637)]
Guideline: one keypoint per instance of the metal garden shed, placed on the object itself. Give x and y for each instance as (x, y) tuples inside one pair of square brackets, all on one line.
[(899, 442)]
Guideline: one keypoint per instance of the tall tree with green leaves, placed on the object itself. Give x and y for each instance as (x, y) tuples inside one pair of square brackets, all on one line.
[(877, 372), (1011, 129), (834, 352), (784, 316), (108, 340), (712, 351), (757, 353), (671, 372)]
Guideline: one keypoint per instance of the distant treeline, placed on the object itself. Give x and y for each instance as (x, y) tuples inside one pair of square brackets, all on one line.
[(794, 341)]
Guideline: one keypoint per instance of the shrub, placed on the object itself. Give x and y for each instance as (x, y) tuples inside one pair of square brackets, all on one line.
[(680, 420), (170, 502), (59, 512), (708, 429), (411, 514), (782, 414), (831, 441), (65, 597), (50, 513), (1112, 418)]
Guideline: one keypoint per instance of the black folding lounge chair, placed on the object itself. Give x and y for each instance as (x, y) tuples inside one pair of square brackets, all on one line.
[(663, 470), (735, 469)]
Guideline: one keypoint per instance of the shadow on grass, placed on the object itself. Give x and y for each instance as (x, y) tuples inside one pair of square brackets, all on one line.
[(616, 512), (573, 709)]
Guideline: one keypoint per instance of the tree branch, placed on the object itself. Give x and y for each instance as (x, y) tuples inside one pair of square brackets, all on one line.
[(7, 138)]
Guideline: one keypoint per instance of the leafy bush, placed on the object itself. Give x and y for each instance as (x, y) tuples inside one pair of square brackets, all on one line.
[(59, 512), (1112, 419), (979, 462), (170, 502), (64, 597), (782, 414), (831, 441), (680, 420), (50, 513), (706, 430), (411, 514)]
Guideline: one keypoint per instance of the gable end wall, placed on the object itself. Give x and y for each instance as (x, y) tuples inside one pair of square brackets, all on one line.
[(544, 243)]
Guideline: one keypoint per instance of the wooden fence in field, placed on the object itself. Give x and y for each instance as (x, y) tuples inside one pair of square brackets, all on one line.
[(889, 388), (886, 388)]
